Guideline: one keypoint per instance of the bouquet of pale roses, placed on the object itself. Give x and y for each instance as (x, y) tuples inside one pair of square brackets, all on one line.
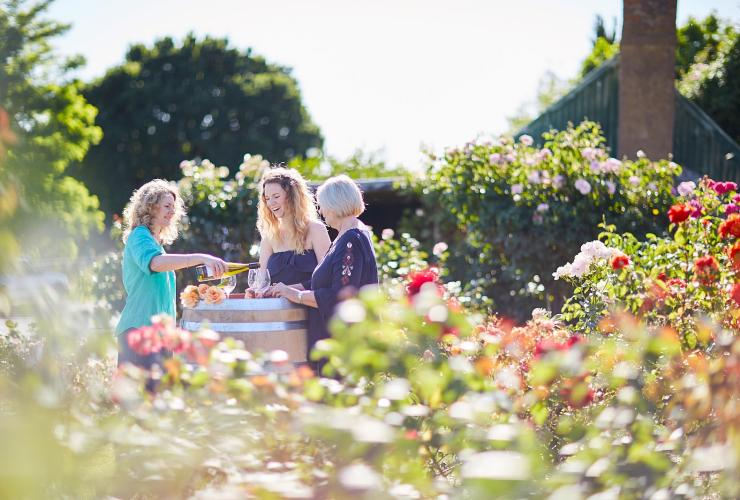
[(192, 294)]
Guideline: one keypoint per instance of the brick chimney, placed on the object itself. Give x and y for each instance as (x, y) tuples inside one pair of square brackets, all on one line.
[(646, 78)]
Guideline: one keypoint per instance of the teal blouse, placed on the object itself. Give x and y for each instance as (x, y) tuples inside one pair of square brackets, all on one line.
[(148, 293)]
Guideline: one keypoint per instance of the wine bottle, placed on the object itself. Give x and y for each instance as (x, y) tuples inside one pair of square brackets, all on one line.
[(205, 273)]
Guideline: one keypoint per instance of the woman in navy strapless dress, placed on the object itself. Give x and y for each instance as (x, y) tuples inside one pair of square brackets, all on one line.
[(294, 240), (349, 264)]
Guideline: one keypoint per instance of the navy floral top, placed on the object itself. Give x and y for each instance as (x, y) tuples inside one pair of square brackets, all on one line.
[(290, 267), (349, 265)]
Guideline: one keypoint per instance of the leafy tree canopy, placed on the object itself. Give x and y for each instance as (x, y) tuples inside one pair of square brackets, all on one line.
[(360, 165), (44, 210), (196, 99)]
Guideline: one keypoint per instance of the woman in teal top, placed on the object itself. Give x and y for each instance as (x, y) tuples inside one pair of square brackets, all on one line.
[(151, 220)]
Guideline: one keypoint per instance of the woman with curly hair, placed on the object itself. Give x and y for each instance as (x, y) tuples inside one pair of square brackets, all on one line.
[(150, 221), (294, 240)]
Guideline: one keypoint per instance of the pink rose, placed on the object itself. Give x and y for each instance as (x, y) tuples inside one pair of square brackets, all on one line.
[(583, 186), (439, 248), (589, 154), (686, 188), (526, 140)]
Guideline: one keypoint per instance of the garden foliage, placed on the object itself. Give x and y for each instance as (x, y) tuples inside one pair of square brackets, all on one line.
[(523, 211)]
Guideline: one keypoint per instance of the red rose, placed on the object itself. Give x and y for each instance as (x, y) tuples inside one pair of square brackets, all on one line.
[(730, 227), (734, 253), (679, 212), (573, 340), (677, 282), (585, 397), (706, 269), (735, 293), (416, 280), (620, 261), (546, 346)]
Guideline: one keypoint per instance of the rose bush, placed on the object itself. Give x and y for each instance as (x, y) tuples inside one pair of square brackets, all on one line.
[(524, 210), (680, 279)]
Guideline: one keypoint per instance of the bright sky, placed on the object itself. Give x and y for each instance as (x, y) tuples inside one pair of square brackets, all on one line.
[(381, 75)]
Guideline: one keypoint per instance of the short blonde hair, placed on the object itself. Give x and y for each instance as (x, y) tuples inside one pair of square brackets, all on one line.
[(300, 209), (143, 203), (341, 195)]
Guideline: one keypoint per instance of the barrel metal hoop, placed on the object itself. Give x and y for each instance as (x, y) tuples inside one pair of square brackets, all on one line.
[(273, 326)]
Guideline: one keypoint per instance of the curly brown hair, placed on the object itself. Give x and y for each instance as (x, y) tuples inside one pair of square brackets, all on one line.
[(141, 207)]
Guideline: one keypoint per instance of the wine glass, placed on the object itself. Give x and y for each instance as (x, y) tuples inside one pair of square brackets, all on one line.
[(228, 284), (258, 279)]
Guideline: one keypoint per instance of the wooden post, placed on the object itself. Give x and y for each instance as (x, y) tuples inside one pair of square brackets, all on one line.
[(646, 78)]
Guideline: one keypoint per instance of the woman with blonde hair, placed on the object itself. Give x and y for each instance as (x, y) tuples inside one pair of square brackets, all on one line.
[(348, 265), (294, 240), (150, 221)]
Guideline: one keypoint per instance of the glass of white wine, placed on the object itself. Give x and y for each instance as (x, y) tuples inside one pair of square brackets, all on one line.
[(228, 284), (258, 280)]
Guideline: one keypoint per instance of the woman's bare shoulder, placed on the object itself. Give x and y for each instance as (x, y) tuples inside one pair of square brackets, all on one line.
[(315, 226)]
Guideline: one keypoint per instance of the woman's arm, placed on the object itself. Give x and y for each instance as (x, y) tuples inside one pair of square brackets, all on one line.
[(293, 294), (174, 261), (265, 253), (320, 240)]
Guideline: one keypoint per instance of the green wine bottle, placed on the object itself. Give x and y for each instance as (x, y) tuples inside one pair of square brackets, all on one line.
[(205, 273)]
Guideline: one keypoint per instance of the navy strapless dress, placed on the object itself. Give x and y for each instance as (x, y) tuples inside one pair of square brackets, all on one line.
[(290, 268)]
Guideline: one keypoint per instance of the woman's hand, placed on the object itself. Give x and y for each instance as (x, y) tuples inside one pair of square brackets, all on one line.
[(254, 294), (217, 265), (283, 290)]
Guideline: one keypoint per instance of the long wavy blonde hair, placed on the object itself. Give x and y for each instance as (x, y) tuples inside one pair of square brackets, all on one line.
[(300, 209), (142, 205)]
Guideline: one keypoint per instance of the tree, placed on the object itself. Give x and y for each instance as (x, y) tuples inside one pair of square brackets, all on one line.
[(695, 37), (200, 99), (605, 46), (45, 212), (712, 77), (360, 165), (706, 71)]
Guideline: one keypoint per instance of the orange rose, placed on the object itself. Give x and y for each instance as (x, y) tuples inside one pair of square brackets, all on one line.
[(202, 289), (189, 296), (215, 295)]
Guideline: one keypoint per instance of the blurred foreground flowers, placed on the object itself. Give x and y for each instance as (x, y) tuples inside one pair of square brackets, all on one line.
[(424, 401)]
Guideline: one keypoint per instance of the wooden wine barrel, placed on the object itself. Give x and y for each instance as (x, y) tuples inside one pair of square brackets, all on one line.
[(262, 324)]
